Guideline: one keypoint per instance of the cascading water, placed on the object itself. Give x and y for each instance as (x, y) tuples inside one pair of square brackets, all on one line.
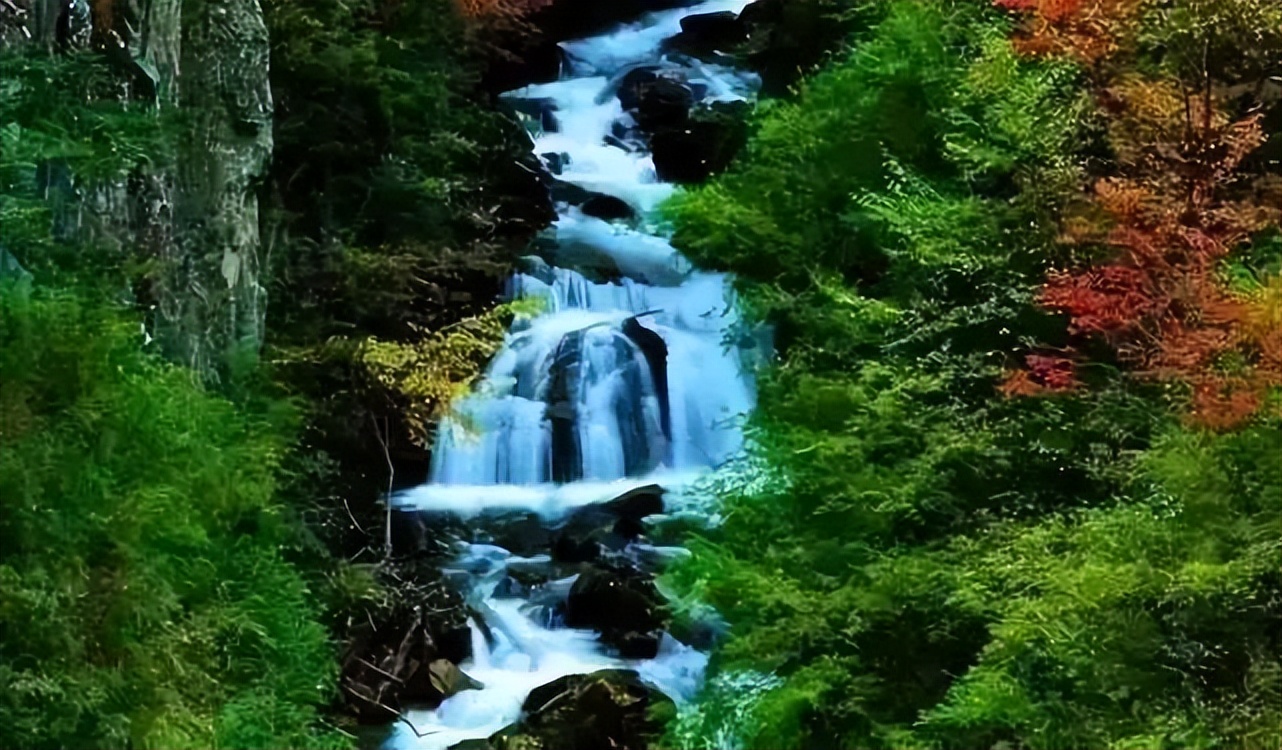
[(616, 385)]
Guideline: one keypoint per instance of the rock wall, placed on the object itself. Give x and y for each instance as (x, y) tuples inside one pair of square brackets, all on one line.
[(196, 220)]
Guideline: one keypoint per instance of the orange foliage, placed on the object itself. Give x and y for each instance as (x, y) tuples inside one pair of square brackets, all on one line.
[(1168, 219), (1160, 300), (489, 10), (1087, 30), (1043, 374)]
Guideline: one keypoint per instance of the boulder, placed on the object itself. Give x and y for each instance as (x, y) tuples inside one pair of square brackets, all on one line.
[(631, 84), (704, 146), (637, 503), (455, 643), (762, 13), (565, 192), (786, 39), (606, 709), (522, 190), (663, 103), (622, 605), (569, 549), (705, 34), (521, 533), (607, 207), (447, 679)]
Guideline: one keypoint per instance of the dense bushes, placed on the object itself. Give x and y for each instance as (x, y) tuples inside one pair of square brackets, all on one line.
[(937, 565), (391, 212), (144, 600)]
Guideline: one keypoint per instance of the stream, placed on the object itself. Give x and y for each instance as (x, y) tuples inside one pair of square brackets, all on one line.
[(623, 388)]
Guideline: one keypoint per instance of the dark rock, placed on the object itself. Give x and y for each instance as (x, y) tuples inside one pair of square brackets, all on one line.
[(621, 604), (762, 12), (630, 85), (621, 144), (655, 351), (568, 549), (521, 184), (664, 103), (704, 146), (628, 528), (522, 534), (637, 503), (607, 709), (510, 588), (724, 27), (455, 644), (704, 34), (409, 534), (565, 192), (541, 111), (566, 371), (607, 207), (555, 162), (634, 645), (447, 679), (787, 39)]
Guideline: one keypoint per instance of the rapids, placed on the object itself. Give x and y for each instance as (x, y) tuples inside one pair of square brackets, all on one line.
[(617, 384)]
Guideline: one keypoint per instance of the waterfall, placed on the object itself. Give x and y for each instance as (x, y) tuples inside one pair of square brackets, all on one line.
[(624, 380)]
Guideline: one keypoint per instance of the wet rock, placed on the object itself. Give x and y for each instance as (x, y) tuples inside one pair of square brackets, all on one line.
[(637, 645), (565, 192), (555, 162), (664, 103), (704, 146), (447, 679), (637, 503), (631, 84), (622, 605), (705, 34), (540, 111), (522, 534), (762, 13), (607, 207), (455, 644), (607, 709), (568, 549), (510, 588), (628, 529)]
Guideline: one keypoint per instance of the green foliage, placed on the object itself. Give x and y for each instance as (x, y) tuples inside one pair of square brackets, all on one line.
[(68, 132), (397, 214), (144, 601), (937, 566)]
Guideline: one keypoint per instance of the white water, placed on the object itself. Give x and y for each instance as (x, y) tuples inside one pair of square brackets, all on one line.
[(576, 367)]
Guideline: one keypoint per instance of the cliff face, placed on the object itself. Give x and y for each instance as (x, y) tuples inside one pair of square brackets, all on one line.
[(197, 221)]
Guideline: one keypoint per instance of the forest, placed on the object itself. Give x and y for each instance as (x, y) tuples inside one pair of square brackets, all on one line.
[(1013, 479)]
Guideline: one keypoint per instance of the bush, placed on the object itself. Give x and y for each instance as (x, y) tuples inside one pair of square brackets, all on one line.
[(145, 602)]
